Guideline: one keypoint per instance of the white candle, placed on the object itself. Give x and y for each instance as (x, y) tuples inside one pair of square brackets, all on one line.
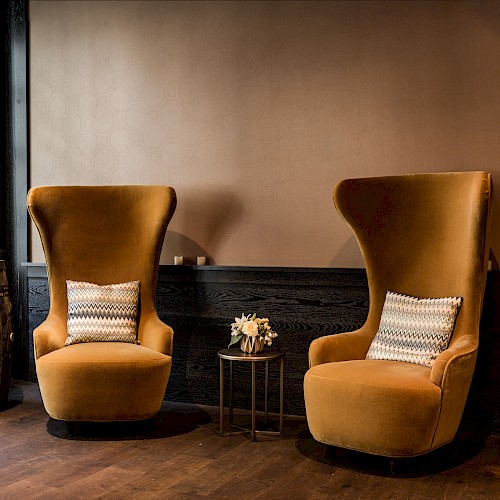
[(178, 261), (201, 261)]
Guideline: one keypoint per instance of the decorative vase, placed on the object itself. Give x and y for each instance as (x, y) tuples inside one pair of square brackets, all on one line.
[(251, 345)]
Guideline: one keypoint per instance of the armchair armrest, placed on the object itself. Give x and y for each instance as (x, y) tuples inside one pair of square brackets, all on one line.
[(340, 347), (155, 334), (49, 336), (464, 350)]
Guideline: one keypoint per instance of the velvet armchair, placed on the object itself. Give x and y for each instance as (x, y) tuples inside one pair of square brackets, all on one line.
[(102, 235), (425, 236)]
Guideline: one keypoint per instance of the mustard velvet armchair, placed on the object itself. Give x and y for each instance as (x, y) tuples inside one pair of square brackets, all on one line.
[(424, 235), (102, 235)]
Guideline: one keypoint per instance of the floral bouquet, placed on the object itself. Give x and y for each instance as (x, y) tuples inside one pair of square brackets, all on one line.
[(253, 333)]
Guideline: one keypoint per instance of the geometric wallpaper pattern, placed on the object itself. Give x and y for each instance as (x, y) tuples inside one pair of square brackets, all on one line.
[(253, 111)]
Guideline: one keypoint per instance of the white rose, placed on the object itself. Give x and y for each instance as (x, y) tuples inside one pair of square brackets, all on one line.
[(250, 328)]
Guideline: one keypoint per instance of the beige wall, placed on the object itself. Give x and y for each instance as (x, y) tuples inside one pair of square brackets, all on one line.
[(254, 110)]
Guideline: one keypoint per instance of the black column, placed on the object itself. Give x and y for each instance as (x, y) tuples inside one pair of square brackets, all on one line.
[(14, 178)]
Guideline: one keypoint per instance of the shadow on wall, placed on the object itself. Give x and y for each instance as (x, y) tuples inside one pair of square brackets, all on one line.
[(178, 244), (349, 255), (209, 214)]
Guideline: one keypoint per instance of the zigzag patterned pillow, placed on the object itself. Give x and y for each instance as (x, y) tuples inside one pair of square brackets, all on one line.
[(414, 330), (105, 313)]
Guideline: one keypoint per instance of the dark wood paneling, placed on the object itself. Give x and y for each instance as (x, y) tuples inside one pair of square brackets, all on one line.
[(302, 304), (482, 412), (38, 308)]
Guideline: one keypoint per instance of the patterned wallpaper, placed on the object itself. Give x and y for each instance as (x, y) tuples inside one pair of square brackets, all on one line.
[(253, 111)]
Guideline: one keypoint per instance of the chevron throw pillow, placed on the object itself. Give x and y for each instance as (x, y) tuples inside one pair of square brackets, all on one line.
[(105, 313), (414, 330)]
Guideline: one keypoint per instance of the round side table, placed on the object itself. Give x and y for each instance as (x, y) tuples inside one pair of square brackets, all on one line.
[(233, 355)]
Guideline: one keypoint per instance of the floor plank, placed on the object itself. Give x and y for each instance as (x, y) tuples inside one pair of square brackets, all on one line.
[(181, 456)]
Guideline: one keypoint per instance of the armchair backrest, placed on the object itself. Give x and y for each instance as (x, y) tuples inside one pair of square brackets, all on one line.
[(425, 235), (101, 234)]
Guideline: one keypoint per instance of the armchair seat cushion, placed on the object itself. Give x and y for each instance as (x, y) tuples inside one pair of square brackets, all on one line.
[(103, 381), (342, 399)]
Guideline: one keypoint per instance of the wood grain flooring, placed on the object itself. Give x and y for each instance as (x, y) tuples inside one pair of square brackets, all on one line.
[(179, 455)]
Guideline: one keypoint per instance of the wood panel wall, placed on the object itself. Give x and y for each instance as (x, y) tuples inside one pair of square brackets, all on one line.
[(200, 303)]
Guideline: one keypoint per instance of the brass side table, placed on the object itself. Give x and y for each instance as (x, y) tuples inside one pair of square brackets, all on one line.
[(261, 357)]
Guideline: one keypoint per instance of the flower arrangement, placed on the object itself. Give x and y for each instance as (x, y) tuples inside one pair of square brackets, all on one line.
[(253, 332)]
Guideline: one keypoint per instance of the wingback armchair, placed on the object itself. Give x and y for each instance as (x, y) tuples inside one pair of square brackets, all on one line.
[(426, 236), (102, 235)]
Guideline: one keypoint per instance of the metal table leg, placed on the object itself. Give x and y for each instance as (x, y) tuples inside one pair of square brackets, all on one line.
[(282, 371), (266, 392), (221, 397), (230, 393), (253, 401)]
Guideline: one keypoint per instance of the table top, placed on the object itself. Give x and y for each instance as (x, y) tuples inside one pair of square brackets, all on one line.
[(238, 355)]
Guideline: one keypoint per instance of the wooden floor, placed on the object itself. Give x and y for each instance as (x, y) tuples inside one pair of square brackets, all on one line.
[(182, 456)]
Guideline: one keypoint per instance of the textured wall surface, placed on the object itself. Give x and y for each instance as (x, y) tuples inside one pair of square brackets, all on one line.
[(253, 111)]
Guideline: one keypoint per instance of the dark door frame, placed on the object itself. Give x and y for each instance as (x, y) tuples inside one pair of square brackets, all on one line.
[(14, 161)]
